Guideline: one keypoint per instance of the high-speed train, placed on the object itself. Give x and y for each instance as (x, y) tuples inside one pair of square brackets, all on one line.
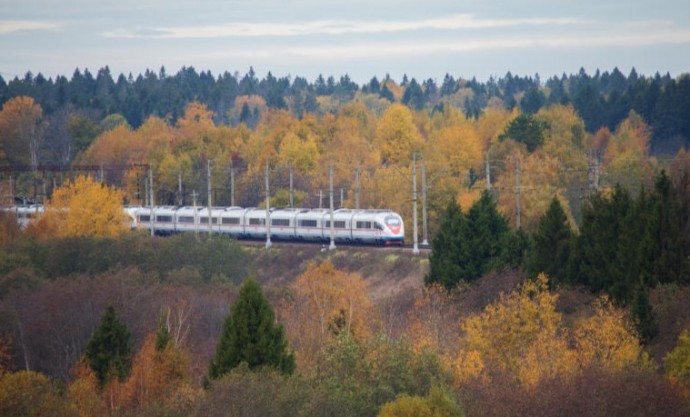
[(382, 227)]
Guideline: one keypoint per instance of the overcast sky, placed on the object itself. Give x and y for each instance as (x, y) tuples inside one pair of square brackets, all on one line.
[(361, 38)]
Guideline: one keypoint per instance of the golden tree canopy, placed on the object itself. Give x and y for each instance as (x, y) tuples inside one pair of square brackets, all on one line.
[(83, 207)]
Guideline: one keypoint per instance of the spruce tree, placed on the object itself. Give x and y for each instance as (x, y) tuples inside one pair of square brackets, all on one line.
[(109, 351), (250, 335), (449, 249), (643, 316), (551, 244), (487, 229)]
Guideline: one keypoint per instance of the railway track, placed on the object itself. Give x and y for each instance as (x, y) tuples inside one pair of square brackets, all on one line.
[(424, 250)]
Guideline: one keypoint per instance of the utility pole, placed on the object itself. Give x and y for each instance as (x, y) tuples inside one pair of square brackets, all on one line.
[(342, 194), (488, 172), (208, 184), (357, 190), (11, 192), (268, 209), (292, 197), (196, 216), (151, 200), (415, 247), (330, 186), (320, 198), (180, 200), (425, 230), (232, 186), (517, 192)]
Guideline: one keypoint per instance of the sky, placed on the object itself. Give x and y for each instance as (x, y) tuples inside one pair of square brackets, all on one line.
[(360, 38)]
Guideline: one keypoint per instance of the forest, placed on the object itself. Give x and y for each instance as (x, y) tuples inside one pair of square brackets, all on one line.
[(557, 214)]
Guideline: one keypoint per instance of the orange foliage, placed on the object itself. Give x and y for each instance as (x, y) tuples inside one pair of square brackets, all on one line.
[(328, 302), (82, 208)]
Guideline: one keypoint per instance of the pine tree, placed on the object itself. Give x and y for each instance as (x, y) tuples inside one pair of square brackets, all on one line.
[(251, 335), (109, 351), (551, 248)]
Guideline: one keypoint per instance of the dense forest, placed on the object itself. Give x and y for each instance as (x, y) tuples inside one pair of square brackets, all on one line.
[(556, 282)]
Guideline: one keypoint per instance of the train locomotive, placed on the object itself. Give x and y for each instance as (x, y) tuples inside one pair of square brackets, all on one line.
[(375, 227)]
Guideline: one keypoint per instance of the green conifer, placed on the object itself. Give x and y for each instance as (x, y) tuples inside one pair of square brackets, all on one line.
[(108, 351), (551, 248), (250, 335)]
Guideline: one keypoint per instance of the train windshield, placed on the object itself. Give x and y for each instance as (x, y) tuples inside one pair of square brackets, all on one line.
[(392, 221)]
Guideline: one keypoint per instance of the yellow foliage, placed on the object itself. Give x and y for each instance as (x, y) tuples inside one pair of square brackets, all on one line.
[(82, 208), (504, 332), (407, 406), (606, 340), (397, 136), (549, 356), (301, 154), (468, 365), (83, 394), (28, 393), (118, 146), (328, 302), (677, 363)]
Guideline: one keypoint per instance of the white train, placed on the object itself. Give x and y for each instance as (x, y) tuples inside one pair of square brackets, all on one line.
[(382, 227), (26, 213)]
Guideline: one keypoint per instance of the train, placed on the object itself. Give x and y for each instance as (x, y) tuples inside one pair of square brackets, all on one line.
[(351, 226)]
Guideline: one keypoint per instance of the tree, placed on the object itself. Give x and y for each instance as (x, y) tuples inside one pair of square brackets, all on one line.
[(108, 351), (487, 229), (251, 335), (551, 248), (29, 394), (525, 129), (397, 135), (83, 207), (449, 248), (677, 362), (20, 131)]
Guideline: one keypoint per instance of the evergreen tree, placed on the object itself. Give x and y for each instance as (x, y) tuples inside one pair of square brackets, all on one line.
[(251, 335), (551, 248), (449, 249), (643, 316), (487, 229), (525, 129), (597, 246), (163, 337), (108, 351)]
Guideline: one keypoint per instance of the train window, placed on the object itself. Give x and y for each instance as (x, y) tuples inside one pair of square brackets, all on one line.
[(363, 225), (164, 219), (257, 222), (231, 220), (338, 224), (144, 218), (280, 222), (307, 223), (378, 226), (392, 221), (204, 220), (185, 219)]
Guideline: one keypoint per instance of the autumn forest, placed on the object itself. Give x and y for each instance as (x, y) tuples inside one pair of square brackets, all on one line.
[(557, 214)]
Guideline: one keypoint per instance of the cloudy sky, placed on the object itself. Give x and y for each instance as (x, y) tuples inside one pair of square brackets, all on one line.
[(361, 38)]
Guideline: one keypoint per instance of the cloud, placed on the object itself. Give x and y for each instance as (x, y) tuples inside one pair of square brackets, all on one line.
[(10, 26), (426, 47), (332, 27)]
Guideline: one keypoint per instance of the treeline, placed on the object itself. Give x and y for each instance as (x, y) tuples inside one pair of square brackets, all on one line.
[(624, 247), (602, 100)]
